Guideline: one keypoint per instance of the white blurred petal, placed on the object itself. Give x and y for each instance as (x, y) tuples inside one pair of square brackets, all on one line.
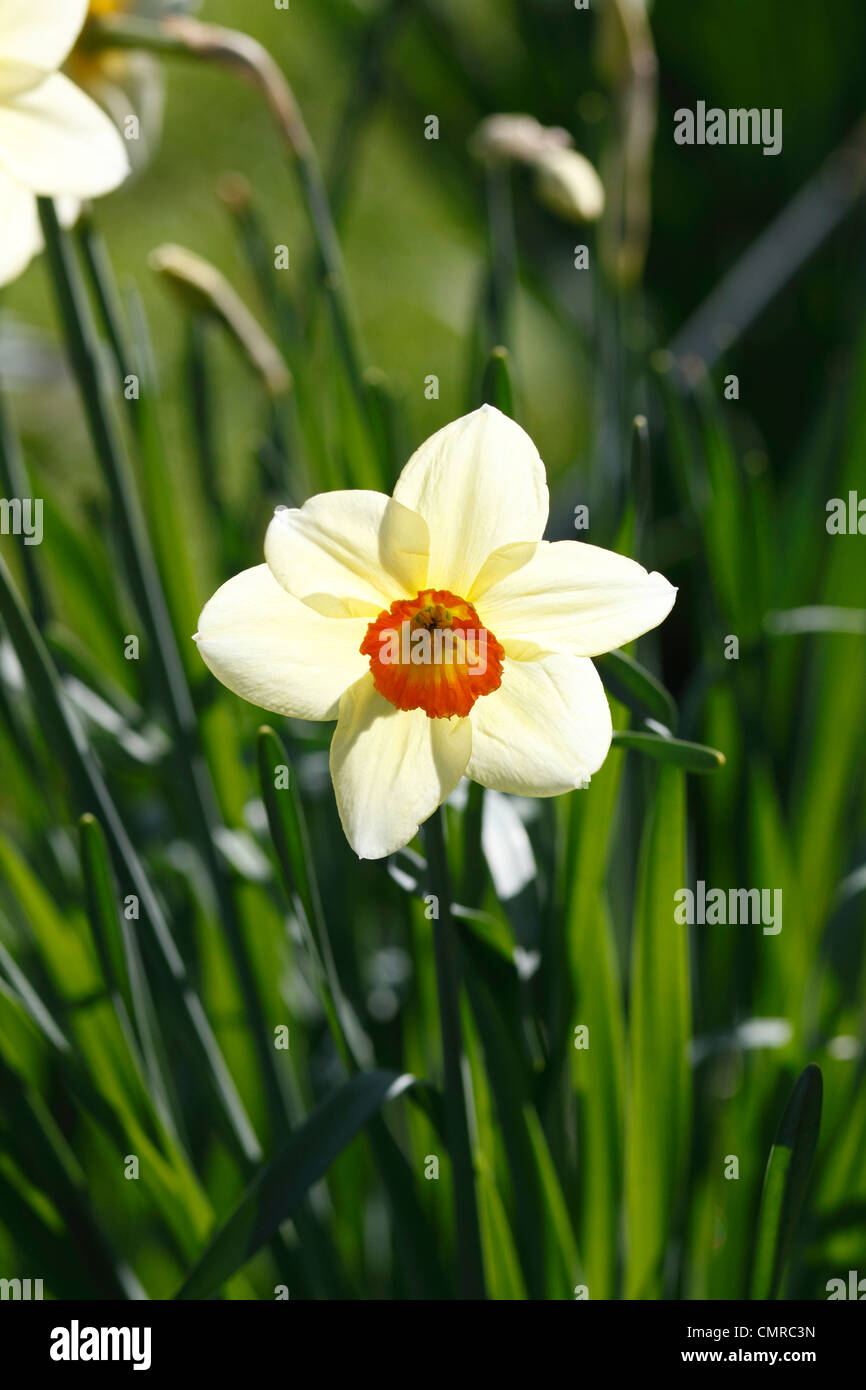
[(20, 233), (55, 140), (507, 846)]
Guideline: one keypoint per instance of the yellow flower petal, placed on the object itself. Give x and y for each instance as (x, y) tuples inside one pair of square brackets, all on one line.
[(544, 731), (577, 598), (274, 651), (391, 768), (54, 140), (479, 484), (348, 554)]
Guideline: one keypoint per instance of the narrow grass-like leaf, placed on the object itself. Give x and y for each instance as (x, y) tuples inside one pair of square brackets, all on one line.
[(496, 389), (15, 484), (290, 839), (501, 1263), (121, 960), (637, 687), (494, 995), (660, 1025), (48, 1161), (66, 739), (457, 1103), (598, 1072), (200, 803), (675, 752), (287, 824), (785, 1183), (281, 1184), (562, 1261), (493, 931)]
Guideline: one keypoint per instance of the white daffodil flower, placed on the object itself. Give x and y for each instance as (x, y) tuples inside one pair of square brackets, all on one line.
[(54, 141), (439, 630)]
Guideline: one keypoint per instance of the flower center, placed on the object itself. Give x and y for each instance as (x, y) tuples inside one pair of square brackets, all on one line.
[(432, 652)]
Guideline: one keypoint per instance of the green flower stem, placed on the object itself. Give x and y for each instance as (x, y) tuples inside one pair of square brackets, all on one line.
[(310, 452), (94, 254), (83, 347), (471, 1268), (238, 198), (288, 829), (202, 405), (183, 36), (15, 482), (503, 253), (369, 79)]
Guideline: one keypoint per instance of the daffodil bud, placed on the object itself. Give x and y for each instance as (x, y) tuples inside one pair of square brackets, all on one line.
[(568, 184), (626, 59), (204, 290), (235, 191), (501, 138)]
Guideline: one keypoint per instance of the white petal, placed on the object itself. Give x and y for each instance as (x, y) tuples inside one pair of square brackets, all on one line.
[(39, 33), (275, 651), (544, 731), (20, 233), (68, 210), (348, 554), (480, 485), (55, 140), (391, 768), (578, 598)]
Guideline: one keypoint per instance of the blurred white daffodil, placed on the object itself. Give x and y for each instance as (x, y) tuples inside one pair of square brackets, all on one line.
[(54, 141), (359, 593), (128, 83)]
